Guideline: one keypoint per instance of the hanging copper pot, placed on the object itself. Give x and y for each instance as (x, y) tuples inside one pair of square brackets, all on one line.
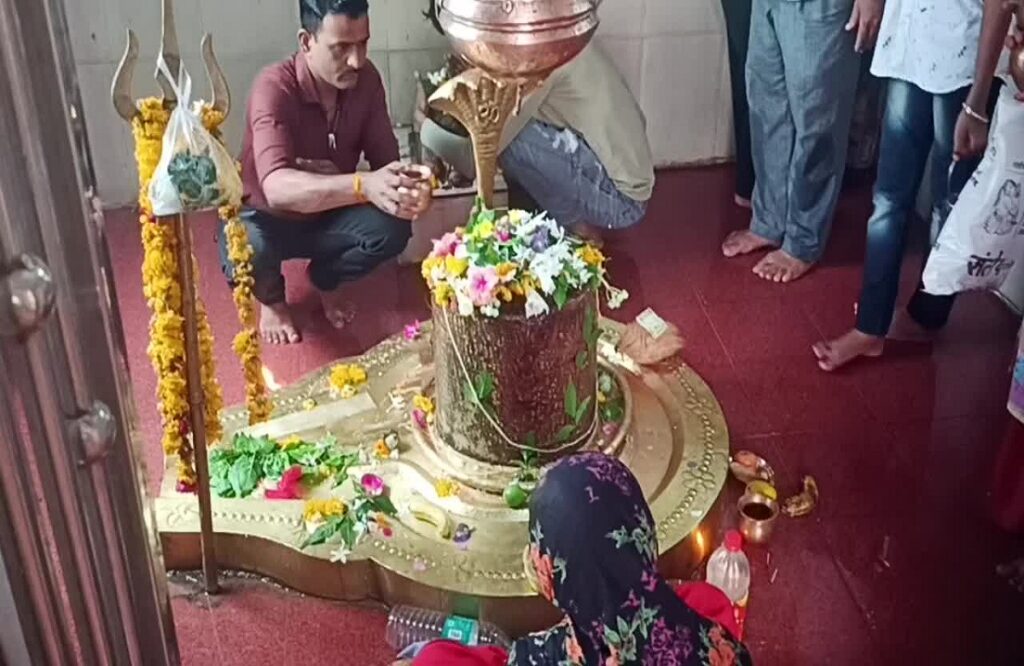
[(518, 38)]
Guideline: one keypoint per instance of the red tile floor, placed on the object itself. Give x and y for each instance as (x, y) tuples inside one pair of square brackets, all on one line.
[(901, 447)]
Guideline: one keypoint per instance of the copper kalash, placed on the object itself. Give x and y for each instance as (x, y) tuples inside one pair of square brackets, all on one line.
[(672, 435)]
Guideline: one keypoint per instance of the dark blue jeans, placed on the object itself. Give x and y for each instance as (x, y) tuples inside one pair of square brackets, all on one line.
[(342, 245), (916, 123), (564, 176)]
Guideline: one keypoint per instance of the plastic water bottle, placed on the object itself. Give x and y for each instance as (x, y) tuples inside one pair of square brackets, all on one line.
[(408, 625), (729, 570)]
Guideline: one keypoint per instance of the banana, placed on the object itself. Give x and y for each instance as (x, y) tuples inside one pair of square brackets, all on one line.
[(428, 513), (803, 503)]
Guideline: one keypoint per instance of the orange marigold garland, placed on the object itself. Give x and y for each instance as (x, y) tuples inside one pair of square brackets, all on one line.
[(161, 286), (247, 341)]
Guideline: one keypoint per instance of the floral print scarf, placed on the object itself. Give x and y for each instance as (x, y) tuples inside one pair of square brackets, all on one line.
[(594, 549)]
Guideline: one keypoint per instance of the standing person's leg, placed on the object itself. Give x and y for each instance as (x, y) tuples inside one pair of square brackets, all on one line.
[(927, 313), (737, 27), (907, 138), (346, 245), (564, 176), (822, 70), (273, 240), (771, 134)]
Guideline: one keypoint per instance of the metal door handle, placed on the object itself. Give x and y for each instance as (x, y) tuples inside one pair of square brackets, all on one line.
[(27, 295), (95, 431)]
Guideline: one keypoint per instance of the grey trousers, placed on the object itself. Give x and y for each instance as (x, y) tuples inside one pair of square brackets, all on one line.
[(802, 74)]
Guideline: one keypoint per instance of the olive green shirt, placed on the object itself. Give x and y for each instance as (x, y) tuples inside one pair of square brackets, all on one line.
[(590, 97)]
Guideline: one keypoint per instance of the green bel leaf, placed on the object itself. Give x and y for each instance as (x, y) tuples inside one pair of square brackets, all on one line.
[(243, 476), (561, 295), (323, 534), (582, 359), (571, 401), (484, 386), (383, 504), (565, 434), (582, 410)]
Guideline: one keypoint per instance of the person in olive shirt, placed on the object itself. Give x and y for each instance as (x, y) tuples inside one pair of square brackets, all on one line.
[(578, 147)]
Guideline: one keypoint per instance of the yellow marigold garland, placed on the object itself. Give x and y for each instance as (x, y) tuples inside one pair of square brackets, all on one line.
[(161, 286), (247, 341)]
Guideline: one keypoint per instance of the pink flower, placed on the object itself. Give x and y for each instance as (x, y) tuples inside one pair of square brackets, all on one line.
[(504, 236), (372, 485), (482, 282), (420, 417), (446, 245), (289, 488), (413, 331), (186, 487)]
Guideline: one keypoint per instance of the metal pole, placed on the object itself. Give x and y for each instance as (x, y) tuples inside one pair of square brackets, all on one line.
[(196, 398)]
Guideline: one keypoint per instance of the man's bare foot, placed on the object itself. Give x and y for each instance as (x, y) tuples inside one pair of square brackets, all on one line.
[(851, 345), (338, 312), (781, 266), (1013, 572), (744, 242), (905, 329), (742, 202), (587, 233), (277, 326)]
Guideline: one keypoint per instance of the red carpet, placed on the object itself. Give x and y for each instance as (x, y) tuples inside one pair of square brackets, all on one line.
[(902, 448)]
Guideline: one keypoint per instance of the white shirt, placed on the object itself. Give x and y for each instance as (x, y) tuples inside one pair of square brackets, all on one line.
[(930, 43)]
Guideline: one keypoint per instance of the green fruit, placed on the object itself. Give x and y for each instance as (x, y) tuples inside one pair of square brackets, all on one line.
[(515, 497)]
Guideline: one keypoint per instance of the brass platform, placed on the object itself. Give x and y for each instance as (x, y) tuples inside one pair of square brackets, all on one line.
[(675, 441)]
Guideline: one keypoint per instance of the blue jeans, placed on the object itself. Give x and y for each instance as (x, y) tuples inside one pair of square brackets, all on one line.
[(916, 123), (802, 74), (564, 176), (342, 245)]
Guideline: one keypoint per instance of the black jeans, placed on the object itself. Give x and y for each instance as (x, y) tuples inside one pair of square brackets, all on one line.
[(737, 27), (342, 245)]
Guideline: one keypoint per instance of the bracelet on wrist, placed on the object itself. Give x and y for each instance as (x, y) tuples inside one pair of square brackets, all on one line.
[(357, 188), (971, 113)]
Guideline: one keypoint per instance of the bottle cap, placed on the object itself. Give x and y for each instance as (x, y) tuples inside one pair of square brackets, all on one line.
[(733, 541)]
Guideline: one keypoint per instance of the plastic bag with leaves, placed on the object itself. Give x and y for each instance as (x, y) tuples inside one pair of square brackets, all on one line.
[(195, 171)]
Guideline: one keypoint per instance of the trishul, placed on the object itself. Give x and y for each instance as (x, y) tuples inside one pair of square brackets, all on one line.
[(121, 90)]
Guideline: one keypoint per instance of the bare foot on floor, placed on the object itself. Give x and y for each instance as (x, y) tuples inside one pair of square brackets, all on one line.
[(277, 326), (338, 312), (780, 266), (852, 345), (1013, 572), (905, 329), (588, 233), (744, 242)]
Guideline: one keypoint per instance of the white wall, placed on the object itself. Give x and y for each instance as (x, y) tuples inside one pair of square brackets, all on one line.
[(672, 53)]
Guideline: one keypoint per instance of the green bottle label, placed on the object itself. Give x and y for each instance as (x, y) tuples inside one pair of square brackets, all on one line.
[(462, 630)]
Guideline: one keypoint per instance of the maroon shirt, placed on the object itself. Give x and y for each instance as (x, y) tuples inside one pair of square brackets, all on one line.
[(286, 122)]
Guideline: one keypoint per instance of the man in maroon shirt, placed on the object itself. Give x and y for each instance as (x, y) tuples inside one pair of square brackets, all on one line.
[(309, 119)]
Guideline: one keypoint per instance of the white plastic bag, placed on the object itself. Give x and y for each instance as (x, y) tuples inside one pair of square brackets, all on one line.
[(984, 235), (195, 171)]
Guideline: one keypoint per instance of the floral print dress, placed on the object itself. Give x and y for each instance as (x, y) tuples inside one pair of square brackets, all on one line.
[(594, 548)]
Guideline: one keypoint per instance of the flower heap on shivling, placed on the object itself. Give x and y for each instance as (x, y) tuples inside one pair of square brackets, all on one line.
[(516, 326), (511, 262)]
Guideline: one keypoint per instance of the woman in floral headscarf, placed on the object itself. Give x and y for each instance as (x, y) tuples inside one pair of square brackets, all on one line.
[(594, 551)]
